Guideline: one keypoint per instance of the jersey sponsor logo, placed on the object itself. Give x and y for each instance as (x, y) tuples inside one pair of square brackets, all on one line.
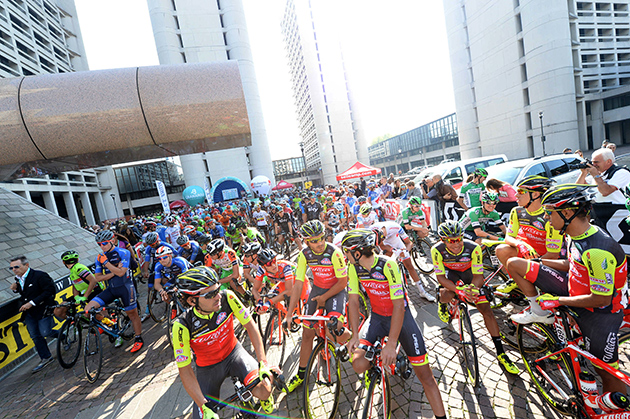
[(244, 312), (181, 358), (221, 317), (552, 245), (538, 225), (180, 337), (465, 259), (399, 293), (197, 323), (598, 288), (379, 276), (179, 351), (326, 261), (609, 349), (599, 281), (605, 264), (609, 279)]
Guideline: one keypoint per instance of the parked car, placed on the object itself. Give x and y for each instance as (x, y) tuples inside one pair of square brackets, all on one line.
[(563, 168), (456, 172)]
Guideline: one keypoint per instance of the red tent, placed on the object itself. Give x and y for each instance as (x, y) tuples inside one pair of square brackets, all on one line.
[(282, 185), (177, 204), (358, 170)]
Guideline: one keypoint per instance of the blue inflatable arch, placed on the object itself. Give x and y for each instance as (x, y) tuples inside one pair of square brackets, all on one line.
[(228, 188)]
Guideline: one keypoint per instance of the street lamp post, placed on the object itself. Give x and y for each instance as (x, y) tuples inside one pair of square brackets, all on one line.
[(304, 160), (401, 159), (542, 132), (115, 207)]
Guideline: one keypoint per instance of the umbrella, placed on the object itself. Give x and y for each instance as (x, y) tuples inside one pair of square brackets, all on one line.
[(282, 185), (358, 170), (177, 204)]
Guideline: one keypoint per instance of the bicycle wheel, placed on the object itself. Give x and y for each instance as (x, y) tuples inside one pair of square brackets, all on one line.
[(421, 256), (275, 340), (92, 354), (158, 308), (378, 401), (552, 376), (69, 343), (125, 328), (322, 382), (501, 307), (469, 346)]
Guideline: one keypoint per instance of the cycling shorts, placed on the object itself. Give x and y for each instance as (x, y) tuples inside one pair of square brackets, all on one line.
[(466, 276), (410, 338), (470, 235), (598, 329), (239, 363), (126, 292), (335, 305)]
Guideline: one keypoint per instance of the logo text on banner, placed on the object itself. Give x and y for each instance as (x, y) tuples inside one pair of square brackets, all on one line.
[(163, 196)]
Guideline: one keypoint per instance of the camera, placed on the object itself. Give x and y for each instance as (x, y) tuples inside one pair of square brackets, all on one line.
[(581, 165)]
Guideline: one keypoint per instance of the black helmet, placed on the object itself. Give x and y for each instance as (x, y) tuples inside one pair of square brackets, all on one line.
[(312, 228), (449, 229), (241, 223), (70, 256), (231, 229), (380, 236), (215, 246), (536, 183), (568, 196), (104, 236), (151, 238), (266, 255), (251, 248), (194, 280), (359, 239), (182, 240), (203, 239)]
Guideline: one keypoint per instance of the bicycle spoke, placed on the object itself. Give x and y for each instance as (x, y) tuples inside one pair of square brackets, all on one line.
[(322, 383)]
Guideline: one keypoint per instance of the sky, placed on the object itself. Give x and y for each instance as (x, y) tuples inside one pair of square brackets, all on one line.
[(396, 53)]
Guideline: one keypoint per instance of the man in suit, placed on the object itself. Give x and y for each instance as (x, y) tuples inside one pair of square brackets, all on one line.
[(37, 291)]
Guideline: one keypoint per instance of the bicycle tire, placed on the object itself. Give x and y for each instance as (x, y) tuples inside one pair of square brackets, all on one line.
[(321, 394), (540, 340), (378, 404), (275, 340), (469, 346), (69, 343), (125, 328), (158, 308), (421, 256), (501, 308), (92, 354)]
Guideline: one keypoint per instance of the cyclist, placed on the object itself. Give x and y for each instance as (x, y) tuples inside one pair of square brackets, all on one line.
[(207, 329), (172, 230), (592, 281), (332, 220), (226, 263), (458, 262), (367, 216), (284, 224), (233, 237), (112, 265), (529, 234), (151, 242), (279, 274), (249, 234), (167, 269), (470, 194), (251, 266), (312, 209), (85, 286), (329, 288), (263, 219), (190, 249), (478, 222), (413, 219), (393, 239), (390, 315), (215, 230)]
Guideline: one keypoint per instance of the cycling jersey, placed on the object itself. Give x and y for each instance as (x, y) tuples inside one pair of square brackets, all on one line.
[(254, 235), (333, 219), (79, 277), (178, 266), (470, 257), (283, 221), (226, 262), (211, 337), (312, 210), (472, 193), (115, 256), (327, 267), (261, 218), (285, 273), (192, 254), (534, 230), (366, 220), (236, 237), (415, 219), (173, 233), (382, 283), (476, 218)]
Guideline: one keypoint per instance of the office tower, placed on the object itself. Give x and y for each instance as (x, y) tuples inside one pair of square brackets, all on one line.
[(327, 117)]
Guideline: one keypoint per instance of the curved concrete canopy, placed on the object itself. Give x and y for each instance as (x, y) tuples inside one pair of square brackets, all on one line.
[(61, 122)]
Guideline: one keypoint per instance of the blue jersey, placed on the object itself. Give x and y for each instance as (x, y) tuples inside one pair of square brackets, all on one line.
[(161, 231), (217, 232), (178, 266), (149, 253), (192, 254), (116, 256)]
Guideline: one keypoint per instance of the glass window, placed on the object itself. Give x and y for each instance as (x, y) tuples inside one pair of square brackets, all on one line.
[(557, 167), (536, 170), (454, 176)]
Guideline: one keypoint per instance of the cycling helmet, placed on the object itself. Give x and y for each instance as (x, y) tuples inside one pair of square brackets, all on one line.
[(151, 238), (182, 240), (189, 229), (365, 209), (203, 239), (70, 256), (150, 224), (491, 197), (231, 229), (163, 251), (480, 172), (338, 206), (194, 280), (362, 199), (536, 184), (215, 246), (251, 248), (266, 255), (449, 229), (569, 196), (104, 236), (170, 219), (313, 228), (380, 236), (194, 223), (415, 201), (358, 239), (241, 224), (371, 184)]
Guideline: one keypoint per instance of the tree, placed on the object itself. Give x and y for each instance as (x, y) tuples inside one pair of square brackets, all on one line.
[(381, 138)]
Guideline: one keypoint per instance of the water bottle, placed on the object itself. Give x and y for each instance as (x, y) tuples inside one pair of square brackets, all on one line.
[(611, 402), (588, 385)]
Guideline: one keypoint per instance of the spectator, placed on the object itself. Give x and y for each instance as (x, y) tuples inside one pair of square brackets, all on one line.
[(579, 153), (428, 191), (567, 151), (396, 191), (612, 146), (363, 186), (37, 292), (609, 178), (403, 191), (412, 190), (506, 192), (445, 192), (386, 188), (375, 195)]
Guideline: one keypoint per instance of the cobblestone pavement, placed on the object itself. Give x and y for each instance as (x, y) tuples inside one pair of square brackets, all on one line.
[(146, 385)]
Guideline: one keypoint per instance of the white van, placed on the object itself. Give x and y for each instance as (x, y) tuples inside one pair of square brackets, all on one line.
[(456, 172)]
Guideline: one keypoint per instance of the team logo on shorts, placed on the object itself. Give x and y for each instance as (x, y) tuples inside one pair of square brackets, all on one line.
[(377, 275), (326, 261), (222, 316), (538, 225)]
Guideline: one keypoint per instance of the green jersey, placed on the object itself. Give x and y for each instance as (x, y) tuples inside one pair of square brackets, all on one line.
[(471, 193), (79, 277), (412, 218), (254, 235), (475, 218)]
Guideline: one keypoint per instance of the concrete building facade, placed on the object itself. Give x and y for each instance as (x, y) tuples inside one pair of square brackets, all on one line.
[(188, 31), (524, 68), (327, 117)]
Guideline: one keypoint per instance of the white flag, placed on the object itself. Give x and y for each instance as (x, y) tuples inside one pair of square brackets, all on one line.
[(206, 188), (163, 197)]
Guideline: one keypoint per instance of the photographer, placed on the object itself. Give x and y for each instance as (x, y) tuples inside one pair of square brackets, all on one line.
[(609, 178)]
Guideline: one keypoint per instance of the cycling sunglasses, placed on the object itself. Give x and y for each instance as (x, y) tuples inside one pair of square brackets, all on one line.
[(453, 240), (271, 262), (521, 191), (163, 257), (210, 295), (104, 243), (316, 240)]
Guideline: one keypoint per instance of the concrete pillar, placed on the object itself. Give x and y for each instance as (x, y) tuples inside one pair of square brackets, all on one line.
[(71, 208), (87, 208), (129, 205), (100, 207), (597, 123), (49, 202)]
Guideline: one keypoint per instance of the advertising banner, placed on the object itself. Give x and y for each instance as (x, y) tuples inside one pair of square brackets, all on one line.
[(206, 189), (163, 196)]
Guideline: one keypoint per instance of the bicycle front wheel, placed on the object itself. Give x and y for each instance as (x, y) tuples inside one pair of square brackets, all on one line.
[(69, 343), (378, 400), (322, 382), (275, 340), (158, 308), (125, 328), (553, 377), (421, 256), (92, 354), (469, 346)]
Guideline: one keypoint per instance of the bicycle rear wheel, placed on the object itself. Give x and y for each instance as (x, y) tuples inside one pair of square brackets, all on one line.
[(469, 346), (322, 382), (553, 377), (378, 401), (158, 308), (69, 343), (421, 256), (92, 354), (275, 340)]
